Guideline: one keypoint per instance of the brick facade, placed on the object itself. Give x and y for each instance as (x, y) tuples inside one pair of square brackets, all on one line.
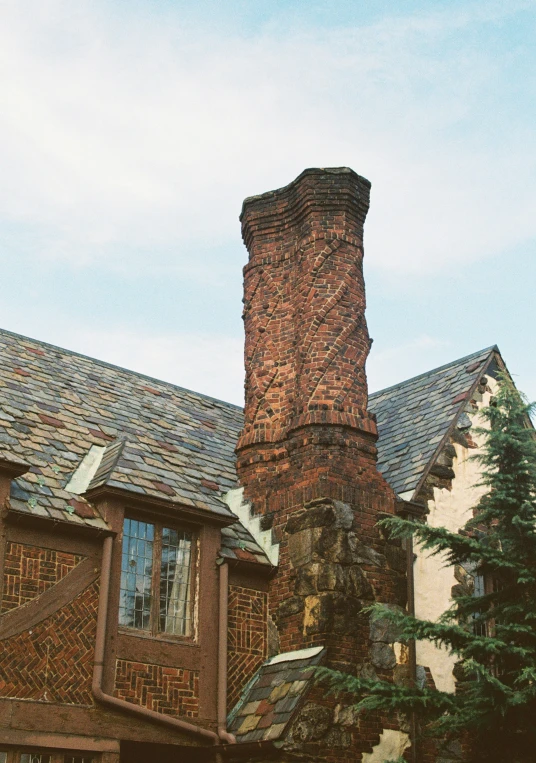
[(247, 637), (29, 571), (53, 662), (172, 691)]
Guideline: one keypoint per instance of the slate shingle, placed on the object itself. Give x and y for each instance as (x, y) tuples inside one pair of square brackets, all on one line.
[(273, 696), (417, 413)]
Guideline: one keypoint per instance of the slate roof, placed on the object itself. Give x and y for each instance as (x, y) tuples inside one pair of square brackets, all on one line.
[(238, 543), (414, 416), (162, 441), (273, 696), (167, 442)]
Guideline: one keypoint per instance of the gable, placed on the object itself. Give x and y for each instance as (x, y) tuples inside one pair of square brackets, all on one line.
[(414, 416)]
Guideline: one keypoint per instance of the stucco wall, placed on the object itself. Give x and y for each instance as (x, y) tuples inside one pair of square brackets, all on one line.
[(391, 746), (451, 509)]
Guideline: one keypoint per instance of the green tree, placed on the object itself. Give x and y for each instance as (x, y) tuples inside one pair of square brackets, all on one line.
[(494, 635)]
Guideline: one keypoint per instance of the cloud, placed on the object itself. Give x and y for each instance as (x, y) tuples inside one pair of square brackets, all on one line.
[(212, 365), (129, 143), (400, 362)]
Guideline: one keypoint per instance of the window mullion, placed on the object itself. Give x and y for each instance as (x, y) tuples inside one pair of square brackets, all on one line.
[(157, 565)]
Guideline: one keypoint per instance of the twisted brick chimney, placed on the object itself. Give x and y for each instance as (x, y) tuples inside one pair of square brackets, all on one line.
[(306, 456)]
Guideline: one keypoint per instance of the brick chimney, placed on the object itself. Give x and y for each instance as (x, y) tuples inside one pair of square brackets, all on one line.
[(306, 456)]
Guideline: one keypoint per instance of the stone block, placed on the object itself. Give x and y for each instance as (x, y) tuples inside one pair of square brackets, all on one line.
[(334, 545), (346, 612), (291, 606), (362, 554), (382, 629), (302, 546), (344, 515), (382, 656), (316, 514), (331, 577), (357, 583), (337, 737), (312, 723)]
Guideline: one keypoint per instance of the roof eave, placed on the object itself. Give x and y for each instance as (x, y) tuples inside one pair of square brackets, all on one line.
[(494, 352), (13, 467), (161, 505)]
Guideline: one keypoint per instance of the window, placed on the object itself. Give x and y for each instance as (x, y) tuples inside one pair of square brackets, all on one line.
[(156, 572), (479, 622), (24, 756)]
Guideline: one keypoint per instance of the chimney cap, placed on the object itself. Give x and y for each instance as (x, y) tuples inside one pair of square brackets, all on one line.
[(284, 190)]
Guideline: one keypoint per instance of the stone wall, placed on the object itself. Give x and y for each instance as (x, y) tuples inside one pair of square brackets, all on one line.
[(451, 491)]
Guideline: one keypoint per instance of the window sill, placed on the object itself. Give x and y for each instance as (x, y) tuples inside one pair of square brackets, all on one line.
[(160, 638)]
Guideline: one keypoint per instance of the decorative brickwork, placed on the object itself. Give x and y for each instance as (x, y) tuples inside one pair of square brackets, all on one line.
[(172, 691), (54, 661), (247, 637), (306, 456), (29, 571), (304, 307)]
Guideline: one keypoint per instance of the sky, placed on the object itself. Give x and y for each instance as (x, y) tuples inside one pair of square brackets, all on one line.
[(131, 131)]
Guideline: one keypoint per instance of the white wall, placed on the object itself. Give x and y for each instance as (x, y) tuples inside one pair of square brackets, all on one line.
[(433, 580)]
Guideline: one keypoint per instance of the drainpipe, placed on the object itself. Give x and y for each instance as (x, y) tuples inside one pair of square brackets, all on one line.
[(223, 734), (98, 666), (412, 650), (411, 510)]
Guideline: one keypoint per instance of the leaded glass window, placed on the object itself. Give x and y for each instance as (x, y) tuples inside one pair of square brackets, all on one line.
[(136, 574), (175, 568), (156, 571)]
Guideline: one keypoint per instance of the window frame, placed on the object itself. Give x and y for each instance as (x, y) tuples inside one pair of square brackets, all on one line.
[(154, 632)]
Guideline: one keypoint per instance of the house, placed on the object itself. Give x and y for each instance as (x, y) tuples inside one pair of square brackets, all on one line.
[(173, 568)]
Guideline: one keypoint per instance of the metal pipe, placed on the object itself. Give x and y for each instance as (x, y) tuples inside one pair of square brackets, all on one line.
[(222, 655), (98, 666), (412, 650)]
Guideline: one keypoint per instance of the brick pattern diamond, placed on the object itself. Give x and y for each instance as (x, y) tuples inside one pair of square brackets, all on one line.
[(172, 691), (54, 661), (29, 571), (247, 637)]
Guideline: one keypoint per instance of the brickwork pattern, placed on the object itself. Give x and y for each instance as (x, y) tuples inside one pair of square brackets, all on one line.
[(247, 638), (304, 307), (172, 691), (54, 661), (30, 570), (307, 453)]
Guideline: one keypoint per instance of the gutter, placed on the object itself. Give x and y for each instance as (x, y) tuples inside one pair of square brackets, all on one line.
[(98, 667)]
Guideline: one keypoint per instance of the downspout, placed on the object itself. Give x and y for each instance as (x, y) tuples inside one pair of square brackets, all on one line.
[(412, 649), (98, 666), (413, 510), (223, 734)]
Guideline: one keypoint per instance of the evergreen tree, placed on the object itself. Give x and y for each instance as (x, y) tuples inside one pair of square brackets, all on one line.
[(493, 635)]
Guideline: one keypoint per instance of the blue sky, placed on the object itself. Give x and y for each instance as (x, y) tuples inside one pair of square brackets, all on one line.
[(131, 132)]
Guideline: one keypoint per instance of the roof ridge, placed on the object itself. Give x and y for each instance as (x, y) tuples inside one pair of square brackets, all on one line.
[(432, 371), (118, 368)]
